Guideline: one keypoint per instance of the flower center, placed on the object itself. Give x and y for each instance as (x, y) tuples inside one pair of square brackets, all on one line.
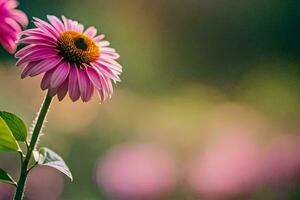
[(77, 48)]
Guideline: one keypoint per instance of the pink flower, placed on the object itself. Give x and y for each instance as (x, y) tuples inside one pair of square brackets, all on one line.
[(229, 170), (6, 191), (136, 172), (38, 188), (282, 161), (11, 21), (72, 59)]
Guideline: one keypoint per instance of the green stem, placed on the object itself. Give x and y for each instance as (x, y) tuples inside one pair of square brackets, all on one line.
[(35, 135)]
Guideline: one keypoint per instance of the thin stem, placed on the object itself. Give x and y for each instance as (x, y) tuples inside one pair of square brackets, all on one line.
[(35, 135)]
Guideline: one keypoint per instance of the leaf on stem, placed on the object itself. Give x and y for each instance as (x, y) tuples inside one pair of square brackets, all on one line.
[(6, 178), (7, 140), (16, 125), (49, 158)]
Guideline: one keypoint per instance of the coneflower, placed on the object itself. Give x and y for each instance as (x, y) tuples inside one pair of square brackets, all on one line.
[(72, 59)]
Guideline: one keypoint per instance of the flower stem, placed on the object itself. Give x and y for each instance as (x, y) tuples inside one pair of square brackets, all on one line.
[(35, 135)]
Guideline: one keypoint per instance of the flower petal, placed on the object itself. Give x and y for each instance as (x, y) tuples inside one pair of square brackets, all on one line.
[(8, 44), (37, 55), (20, 17), (26, 50), (85, 85), (60, 74), (91, 32), (94, 77), (74, 91), (46, 27), (56, 23), (99, 38), (45, 84), (27, 68), (45, 65), (62, 90)]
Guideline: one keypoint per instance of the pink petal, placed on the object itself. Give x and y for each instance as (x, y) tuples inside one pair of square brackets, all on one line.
[(85, 85), (104, 93), (56, 23), (99, 38), (9, 45), (59, 75), (80, 28), (108, 49), (91, 32), (66, 23), (46, 27), (33, 33), (104, 43), (20, 17), (101, 95), (30, 31), (27, 68), (106, 71), (6, 30), (94, 77), (62, 90), (12, 24), (110, 55), (72, 24), (38, 40), (110, 87), (25, 50), (74, 91), (114, 64), (90, 91), (47, 79), (37, 55), (45, 65), (22, 52), (11, 4)]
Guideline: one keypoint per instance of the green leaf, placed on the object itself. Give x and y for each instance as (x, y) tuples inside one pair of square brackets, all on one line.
[(50, 158), (6, 178), (16, 125), (7, 140)]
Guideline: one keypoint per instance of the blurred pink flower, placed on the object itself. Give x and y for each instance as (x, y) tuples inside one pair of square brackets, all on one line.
[(74, 60), (281, 162), (136, 172), (11, 21), (44, 183), (230, 169), (6, 191)]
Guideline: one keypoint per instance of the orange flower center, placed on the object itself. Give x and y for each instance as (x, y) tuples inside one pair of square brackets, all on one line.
[(77, 48)]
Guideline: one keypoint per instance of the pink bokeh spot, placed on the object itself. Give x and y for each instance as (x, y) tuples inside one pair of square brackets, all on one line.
[(229, 169), (136, 172), (44, 183), (282, 160), (6, 191)]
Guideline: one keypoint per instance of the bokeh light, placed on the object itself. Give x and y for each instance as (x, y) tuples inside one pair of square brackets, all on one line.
[(230, 169), (136, 172), (44, 183)]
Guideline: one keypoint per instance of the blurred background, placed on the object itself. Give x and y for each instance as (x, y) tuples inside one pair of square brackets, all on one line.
[(208, 107)]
